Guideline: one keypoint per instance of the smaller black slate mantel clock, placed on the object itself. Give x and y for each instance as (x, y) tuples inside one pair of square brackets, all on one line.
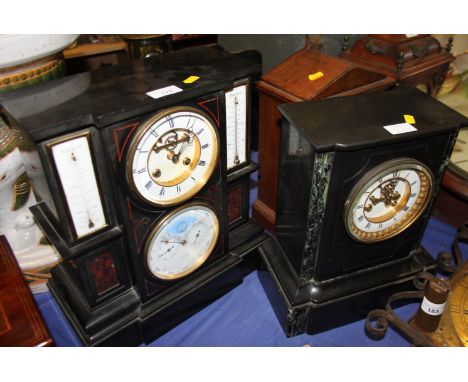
[(356, 185), (142, 175)]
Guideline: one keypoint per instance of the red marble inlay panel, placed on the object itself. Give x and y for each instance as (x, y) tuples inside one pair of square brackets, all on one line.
[(235, 204), (103, 272)]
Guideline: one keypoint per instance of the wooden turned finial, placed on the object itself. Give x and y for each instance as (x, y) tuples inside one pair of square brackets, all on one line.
[(449, 44), (400, 60), (345, 44)]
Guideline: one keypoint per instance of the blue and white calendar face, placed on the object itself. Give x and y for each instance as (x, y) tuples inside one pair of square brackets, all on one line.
[(182, 242)]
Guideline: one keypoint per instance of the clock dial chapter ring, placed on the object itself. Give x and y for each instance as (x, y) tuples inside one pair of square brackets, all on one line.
[(172, 156), (181, 242), (388, 200)]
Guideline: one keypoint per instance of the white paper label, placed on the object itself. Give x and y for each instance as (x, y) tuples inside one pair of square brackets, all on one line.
[(400, 128), (168, 90), (76, 172), (431, 308)]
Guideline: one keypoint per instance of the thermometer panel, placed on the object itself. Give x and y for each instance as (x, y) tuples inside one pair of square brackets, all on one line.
[(236, 126), (78, 179)]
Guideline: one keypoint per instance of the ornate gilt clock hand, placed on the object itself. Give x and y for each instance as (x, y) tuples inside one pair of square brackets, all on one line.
[(166, 146), (184, 145), (196, 237), (388, 195)]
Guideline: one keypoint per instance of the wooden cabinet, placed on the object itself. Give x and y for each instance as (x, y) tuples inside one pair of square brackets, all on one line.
[(20, 321), (413, 60), (305, 75)]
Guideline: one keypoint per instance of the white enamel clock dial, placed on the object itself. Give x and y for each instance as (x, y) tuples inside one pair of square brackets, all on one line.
[(388, 200), (172, 156), (236, 126), (76, 172), (182, 242)]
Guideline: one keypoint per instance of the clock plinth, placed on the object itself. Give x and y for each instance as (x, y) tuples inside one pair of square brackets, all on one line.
[(355, 189), (314, 307)]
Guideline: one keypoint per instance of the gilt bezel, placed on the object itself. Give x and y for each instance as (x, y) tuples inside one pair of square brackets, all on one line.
[(409, 218), (200, 182)]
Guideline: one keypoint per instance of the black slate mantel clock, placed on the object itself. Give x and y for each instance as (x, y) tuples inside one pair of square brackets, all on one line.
[(357, 181), (142, 176)]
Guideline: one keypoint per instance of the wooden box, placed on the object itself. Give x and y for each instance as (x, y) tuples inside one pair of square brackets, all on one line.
[(20, 321)]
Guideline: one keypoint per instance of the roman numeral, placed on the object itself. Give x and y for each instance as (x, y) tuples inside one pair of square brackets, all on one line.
[(193, 179), (202, 163), (154, 133), (148, 185), (413, 183), (396, 174), (368, 225), (380, 180), (178, 189), (163, 190), (405, 208), (413, 195), (380, 226), (360, 218), (142, 170), (205, 145), (201, 131), (171, 122), (360, 206)]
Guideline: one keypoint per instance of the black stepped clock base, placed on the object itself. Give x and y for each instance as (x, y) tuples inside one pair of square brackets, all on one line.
[(140, 324), (246, 238), (316, 307), (126, 321)]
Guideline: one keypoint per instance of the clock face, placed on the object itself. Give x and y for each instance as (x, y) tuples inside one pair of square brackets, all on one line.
[(182, 242), (172, 156), (387, 200)]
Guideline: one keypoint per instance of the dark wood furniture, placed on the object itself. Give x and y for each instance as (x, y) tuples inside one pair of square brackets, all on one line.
[(289, 82), (451, 204), (93, 51), (146, 45), (21, 323), (413, 60)]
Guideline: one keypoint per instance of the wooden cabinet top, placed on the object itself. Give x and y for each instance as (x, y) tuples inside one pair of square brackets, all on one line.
[(290, 79), (398, 56)]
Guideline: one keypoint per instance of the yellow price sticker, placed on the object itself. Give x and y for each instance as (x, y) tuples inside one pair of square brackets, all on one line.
[(191, 79), (409, 119), (315, 76)]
